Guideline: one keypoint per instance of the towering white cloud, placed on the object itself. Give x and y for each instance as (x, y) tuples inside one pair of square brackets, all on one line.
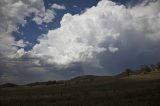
[(98, 29)]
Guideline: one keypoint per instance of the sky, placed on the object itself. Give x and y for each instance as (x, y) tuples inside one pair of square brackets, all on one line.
[(43, 40)]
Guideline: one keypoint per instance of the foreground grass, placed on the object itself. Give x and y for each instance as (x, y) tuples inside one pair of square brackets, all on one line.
[(135, 90)]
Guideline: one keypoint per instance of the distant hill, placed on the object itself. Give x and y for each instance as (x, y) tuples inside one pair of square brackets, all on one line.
[(8, 85), (92, 78), (133, 90), (129, 88), (124, 74)]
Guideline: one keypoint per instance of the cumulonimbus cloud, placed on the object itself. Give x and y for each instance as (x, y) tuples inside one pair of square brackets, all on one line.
[(98, 29)]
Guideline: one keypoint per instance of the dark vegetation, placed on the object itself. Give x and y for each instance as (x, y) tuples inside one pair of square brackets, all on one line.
[(130, 88), (8, 85)]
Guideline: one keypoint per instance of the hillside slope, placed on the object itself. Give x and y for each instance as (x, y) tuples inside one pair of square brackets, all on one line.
[(133, 90)]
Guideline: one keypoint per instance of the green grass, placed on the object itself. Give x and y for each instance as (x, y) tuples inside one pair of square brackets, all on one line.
[(135, 90)]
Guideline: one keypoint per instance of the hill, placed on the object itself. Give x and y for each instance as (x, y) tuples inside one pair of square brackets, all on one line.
[(134, 90), (8, 85)]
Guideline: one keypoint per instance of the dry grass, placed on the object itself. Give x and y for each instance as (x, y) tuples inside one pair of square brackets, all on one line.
[(135, 90)]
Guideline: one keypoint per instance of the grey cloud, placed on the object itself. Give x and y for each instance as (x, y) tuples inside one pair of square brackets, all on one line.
[(22, 71)]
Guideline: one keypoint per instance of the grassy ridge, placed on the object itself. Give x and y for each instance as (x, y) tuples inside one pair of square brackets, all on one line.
[(134, 90)]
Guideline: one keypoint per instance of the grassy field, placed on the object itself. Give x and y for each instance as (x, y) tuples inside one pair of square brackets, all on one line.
[(134, 90)]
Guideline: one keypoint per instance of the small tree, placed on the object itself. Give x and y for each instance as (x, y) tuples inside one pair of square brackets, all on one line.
[(49, 83), (146, 69), (128, 71), (158, 65), (54, 82), (153, 67)]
